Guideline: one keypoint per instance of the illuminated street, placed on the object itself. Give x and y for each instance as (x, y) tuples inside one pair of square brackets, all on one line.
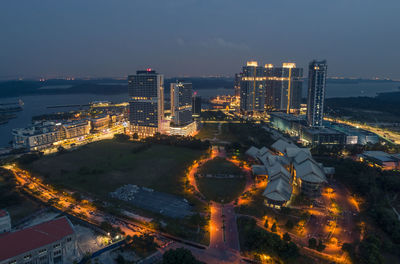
[(389, 135)]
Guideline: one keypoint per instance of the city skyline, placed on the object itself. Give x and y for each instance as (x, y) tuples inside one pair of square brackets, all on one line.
[(114, 39)]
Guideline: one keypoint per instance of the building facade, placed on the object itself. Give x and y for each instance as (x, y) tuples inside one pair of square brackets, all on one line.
[(284, 87), (236, 84), (38, 136), (76, 129), (146, 106), (52, 242), (5, 221), (196, 105), (181, 103), (317, 71), (252, 88)]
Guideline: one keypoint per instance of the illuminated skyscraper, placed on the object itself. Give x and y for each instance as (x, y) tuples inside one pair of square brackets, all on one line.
[(146, 106), (283, 87), (196, 105), (181, 103), (236, 85), (252, 88), (317, 71)]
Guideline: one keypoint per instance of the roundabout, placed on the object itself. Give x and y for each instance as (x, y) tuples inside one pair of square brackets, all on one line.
[(219, 181)]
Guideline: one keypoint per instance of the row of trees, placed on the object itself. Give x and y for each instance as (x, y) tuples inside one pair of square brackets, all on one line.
[(378, 189), (178, 141), (260, 241)]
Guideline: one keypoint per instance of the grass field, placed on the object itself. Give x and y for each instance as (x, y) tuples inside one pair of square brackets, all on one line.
[(220, 189), (219, 166), (207, 131), (101, 167)]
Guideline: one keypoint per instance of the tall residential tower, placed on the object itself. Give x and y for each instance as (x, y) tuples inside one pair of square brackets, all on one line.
[(252, 88), (317, 71), (146, 106), (181, 103), (283, 87)]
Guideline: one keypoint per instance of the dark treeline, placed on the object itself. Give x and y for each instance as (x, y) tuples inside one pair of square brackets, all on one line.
[(384, 102), (178, 141)]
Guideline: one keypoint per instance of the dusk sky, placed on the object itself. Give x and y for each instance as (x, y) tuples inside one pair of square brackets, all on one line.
[(114, 38)]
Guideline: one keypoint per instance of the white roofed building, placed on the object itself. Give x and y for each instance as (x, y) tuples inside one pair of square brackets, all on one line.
[(277, 193)]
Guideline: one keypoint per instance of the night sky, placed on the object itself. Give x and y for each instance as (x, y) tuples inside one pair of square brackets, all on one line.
[(113, 38)]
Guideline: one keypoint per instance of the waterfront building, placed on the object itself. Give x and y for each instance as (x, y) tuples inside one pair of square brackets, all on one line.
[(284, 87), (40, 135), (75, 129), (51, 242), (317, 71), (196, 105), (43, 135), (146, 106), (100, 123), (181, 103), (252, 88), (5, 221)]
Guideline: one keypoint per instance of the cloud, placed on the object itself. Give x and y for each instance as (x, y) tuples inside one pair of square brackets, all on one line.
[(222, 43), (180, 42)]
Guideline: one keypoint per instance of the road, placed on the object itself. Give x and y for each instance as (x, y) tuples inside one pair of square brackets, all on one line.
[(391, 136), (226, 253), (224, 238)]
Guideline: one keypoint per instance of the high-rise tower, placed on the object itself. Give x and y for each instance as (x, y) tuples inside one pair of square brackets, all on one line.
[(317, 71), (181, 103), (252, 88), (283, 87), (146, 106)]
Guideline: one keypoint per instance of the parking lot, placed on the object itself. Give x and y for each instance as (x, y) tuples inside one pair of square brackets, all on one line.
[(157, 202)]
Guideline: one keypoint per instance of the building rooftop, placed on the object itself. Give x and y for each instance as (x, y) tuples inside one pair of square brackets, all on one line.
[(309, 171), (281, 145), (288, 117), (322, 130), (3, 213), (381, 156), (258, 170), (21, 241), (278, 190)]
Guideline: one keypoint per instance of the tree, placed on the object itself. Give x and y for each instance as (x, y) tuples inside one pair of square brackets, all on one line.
[(289, 224), (312, 243), (120, 259), (273, 228), (179, 256), (121, 137), (135, 136), (266, 223), (320, 246), (286, 237), (144, 244)]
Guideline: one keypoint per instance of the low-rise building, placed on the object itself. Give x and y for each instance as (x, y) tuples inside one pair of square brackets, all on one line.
[(100, 123), (51, 242), (183, 130), (381, 159), (322, 136), (76, 129), (5, 221), (39, 136), (287, 123)]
